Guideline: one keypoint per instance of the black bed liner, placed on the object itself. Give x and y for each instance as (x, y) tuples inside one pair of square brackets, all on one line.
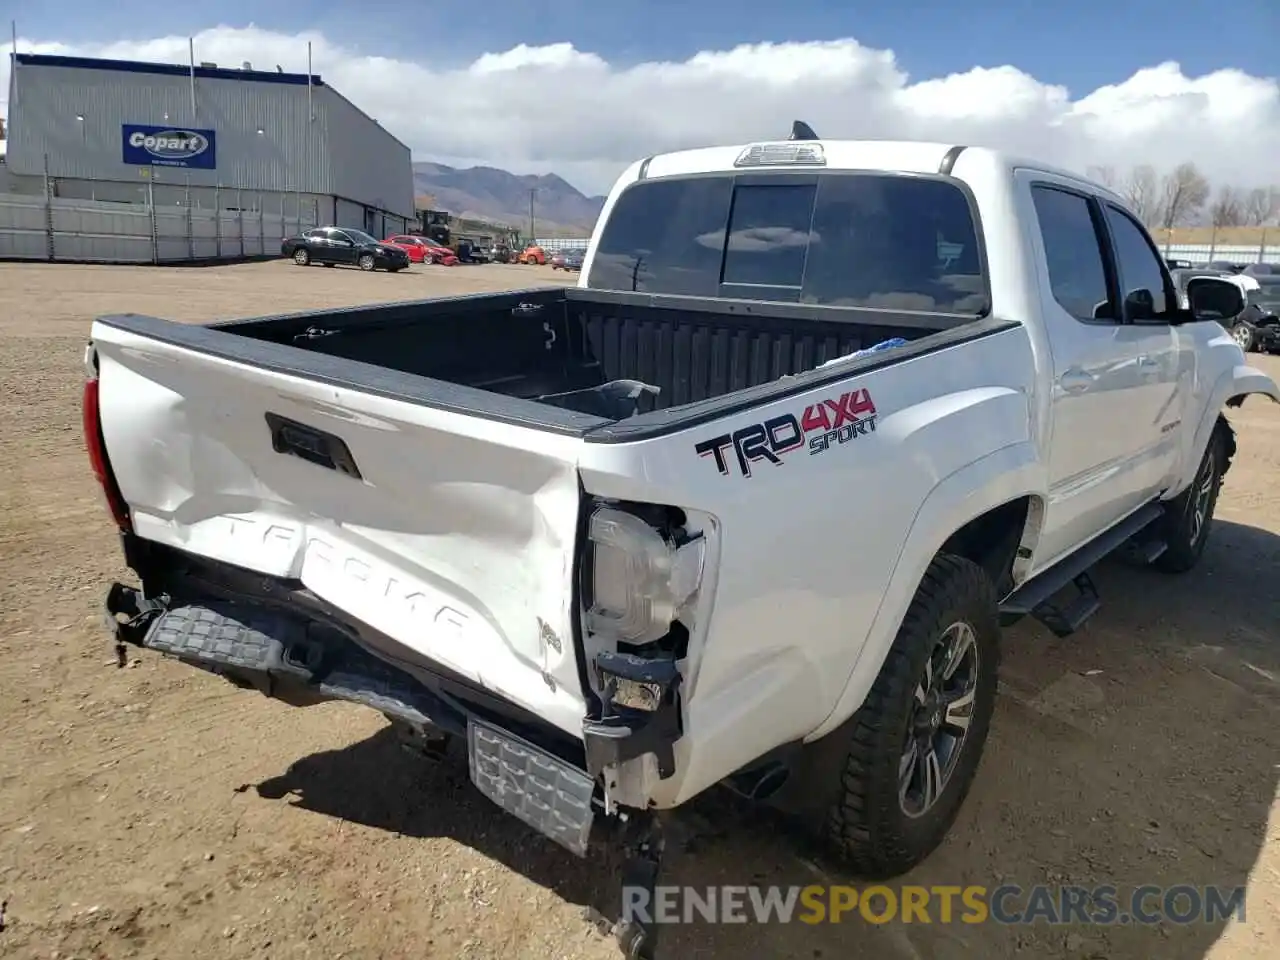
[(504, 356)]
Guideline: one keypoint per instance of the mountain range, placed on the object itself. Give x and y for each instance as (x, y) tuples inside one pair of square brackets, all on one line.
[(487, 193)]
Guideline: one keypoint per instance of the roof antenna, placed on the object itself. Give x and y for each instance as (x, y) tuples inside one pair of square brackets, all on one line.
[(801, 131)]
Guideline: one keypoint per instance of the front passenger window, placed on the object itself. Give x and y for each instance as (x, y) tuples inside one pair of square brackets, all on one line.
[(1142, 278)]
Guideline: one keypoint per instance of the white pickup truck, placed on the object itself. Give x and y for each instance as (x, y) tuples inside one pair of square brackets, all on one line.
[(748, 507)]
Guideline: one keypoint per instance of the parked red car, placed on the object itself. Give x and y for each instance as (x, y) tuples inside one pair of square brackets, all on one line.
[(422, 250)]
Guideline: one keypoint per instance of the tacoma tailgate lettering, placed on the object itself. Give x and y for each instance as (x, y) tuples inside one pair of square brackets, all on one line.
[(327, 564)]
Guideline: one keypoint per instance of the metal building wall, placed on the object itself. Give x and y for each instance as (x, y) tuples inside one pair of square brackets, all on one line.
[(288, 155), (367, 164), (347, 213), (75, 115)]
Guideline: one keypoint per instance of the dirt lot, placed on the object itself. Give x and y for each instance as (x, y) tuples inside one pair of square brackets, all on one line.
[(155, 812)]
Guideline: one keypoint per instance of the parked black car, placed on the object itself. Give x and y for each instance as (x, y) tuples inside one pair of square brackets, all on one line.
[(1257, 327), (1263, 315), (334, 245)]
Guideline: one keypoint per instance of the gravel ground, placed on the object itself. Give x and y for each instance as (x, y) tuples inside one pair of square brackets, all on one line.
[(157, 812)]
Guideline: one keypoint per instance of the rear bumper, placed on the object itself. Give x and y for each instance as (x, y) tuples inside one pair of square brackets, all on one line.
[(172, 579), (274, 636)]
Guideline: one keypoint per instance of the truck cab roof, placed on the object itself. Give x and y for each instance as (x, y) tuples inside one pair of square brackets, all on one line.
[(904, 156)]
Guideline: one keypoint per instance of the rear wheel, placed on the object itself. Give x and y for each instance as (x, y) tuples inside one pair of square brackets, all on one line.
[(301, 256), (917, 739), (366, 262)]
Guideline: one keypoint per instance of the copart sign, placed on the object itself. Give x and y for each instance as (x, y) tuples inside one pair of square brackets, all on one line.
[(169, 146), (819, 427)]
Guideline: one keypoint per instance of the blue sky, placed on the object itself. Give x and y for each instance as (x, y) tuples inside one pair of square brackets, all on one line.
[(1056, 42), (599, 83)]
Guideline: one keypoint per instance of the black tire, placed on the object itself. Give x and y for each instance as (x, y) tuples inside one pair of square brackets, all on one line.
[(868, 826), (330, 264), (302, 257), (367, 263), (634, 941), (1188, 516)]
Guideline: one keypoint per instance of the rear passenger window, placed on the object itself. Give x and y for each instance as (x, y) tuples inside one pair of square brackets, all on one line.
[(1077, 274)]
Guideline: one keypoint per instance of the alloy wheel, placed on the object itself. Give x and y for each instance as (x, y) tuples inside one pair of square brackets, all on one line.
[(1200, 499), (942, 710)]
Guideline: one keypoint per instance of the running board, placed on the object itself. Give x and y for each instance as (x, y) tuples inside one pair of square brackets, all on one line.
[(1145, 552), (1034, 597)]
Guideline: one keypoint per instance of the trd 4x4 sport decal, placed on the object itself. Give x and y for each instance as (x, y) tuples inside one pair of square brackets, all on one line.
[(821, 426)]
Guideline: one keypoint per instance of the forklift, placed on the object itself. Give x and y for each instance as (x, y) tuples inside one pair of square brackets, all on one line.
[(435, 225)]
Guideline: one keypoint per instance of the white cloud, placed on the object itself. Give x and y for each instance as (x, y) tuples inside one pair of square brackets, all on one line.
[(556, 108)]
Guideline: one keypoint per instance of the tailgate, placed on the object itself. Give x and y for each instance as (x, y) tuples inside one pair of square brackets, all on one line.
[(452, 534)]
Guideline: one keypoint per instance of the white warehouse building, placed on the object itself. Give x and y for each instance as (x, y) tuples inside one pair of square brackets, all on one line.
[(205, 137)]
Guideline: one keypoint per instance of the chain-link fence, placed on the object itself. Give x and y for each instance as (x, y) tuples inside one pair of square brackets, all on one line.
[(1232, 244)]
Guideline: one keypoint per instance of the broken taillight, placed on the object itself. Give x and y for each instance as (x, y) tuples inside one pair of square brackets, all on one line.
[(97, 448)]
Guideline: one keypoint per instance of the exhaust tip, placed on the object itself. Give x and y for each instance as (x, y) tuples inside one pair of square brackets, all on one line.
[(760, 783)]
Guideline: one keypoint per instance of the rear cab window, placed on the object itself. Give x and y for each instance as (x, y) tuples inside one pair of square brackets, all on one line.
[(875, 240)]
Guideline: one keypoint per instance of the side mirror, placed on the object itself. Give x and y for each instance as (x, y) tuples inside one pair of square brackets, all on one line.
[(1140, 304), (1210, 298)]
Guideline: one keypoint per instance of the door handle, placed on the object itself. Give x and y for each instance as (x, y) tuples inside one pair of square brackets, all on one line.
[(1076, 380), (1148, 368)]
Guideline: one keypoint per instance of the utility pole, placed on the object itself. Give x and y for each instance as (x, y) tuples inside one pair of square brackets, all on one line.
[(532, 233)]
